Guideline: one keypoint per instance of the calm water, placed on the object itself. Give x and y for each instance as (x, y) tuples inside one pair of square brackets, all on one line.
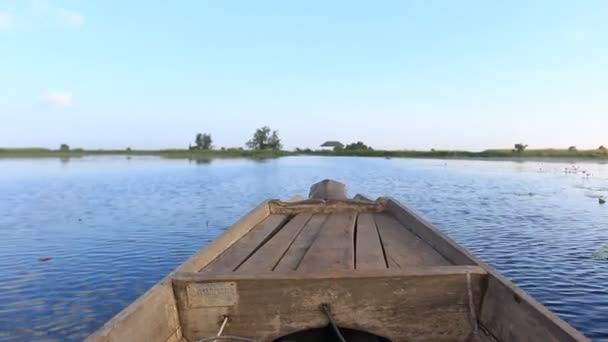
[(113, 227)]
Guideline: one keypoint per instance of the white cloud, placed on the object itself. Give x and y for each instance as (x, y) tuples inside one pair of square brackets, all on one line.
[(60, 99), (70, 17), (40, 14), (6, 21)]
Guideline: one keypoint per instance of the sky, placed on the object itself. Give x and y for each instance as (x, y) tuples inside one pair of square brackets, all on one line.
[(394, 74)]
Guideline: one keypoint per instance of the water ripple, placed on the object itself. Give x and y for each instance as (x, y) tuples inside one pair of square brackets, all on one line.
[(114, 227)]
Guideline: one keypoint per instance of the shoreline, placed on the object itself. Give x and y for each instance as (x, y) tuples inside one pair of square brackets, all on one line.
[(498, 155)]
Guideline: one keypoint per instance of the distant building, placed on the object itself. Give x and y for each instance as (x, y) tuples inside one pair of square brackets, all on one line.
[(330, 145)]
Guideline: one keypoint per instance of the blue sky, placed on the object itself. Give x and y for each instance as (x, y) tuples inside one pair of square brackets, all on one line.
[(394, 74)]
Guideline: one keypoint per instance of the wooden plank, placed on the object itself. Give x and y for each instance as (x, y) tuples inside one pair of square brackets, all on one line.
[(176, 337), (449, 249), (326, 206), (334, 247), (301, 244), (152, 318), (510, 314), (369, 250), (404, 249), (424, 305), (500, 317), (155, 311), (267, 257), (231, 258), (328, 189)]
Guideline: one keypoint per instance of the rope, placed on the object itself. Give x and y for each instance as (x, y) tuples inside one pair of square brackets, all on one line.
[(332, 322), (472, 314), (219, 333), (227, 338), (219, 336)]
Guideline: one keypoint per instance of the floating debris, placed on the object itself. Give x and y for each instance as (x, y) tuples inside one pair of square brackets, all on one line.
[(44, 258), (601, 254), (601, 200)]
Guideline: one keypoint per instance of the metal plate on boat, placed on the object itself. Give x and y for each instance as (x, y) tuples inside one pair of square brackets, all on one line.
[(212, 294)]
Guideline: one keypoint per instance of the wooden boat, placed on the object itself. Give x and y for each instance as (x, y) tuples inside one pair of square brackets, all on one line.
[(307, 270)]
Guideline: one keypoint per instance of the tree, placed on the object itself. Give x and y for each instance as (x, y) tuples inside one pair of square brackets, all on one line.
[(264, 139), (64, 147), (572, 149), (519, 148), (358, 146), (203, 141), (602, 149)]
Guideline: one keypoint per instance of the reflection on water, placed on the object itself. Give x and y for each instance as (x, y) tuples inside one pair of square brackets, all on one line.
[(113, 226)]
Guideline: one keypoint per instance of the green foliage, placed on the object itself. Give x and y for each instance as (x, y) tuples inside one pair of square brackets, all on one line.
[(264, 139), (602, 149), (203, 141), (239, 152), (572, 149), (64, 148), (519, 148), (358, 146)]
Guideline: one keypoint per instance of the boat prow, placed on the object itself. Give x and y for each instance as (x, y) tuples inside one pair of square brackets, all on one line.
[(373, 270)]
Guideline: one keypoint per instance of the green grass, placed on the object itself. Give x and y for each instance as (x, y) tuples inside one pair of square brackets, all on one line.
[(264, 154), (487, 154), (168, 153)]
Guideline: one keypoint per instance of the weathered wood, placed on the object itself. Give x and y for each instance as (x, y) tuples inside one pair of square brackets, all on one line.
[(510, 314), (153, 316), (267, 256), (497, 314), (333, 249), (369, 251), (404, 249), (431, 235), (361, 197), (231, 258), (316, 206), (400, 306), (177, 336), (301, 244), (482, 337), (327, 189), (404, 302)]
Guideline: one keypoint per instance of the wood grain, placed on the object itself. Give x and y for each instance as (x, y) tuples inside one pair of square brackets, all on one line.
[(326, 206), (301, 244), (404, 249), (401, 307), (369, 250), (333, 249), (266, 257), (328, 189), (231, 258), (449, 249), (511, 315)]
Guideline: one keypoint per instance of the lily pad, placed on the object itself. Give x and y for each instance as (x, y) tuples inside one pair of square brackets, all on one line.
[(601, 254)]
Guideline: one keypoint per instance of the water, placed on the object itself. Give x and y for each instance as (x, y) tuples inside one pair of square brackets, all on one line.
[(113, 227)]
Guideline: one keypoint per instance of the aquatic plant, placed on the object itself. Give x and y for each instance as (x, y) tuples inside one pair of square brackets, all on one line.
[(601, 254)]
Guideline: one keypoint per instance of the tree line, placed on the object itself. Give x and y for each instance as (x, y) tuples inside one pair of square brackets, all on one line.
[(519, 148), (263, 139)]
